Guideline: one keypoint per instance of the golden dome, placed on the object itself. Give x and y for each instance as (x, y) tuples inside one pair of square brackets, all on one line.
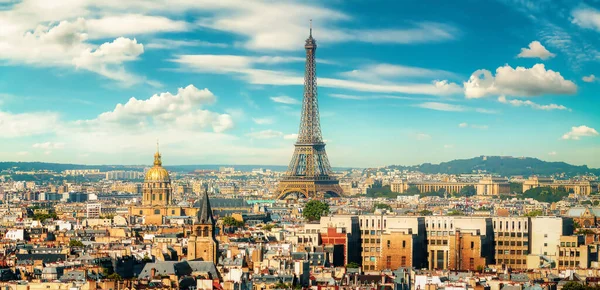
[(157, 173)]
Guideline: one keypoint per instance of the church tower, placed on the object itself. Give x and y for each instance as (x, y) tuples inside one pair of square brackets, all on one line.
[(202, 244), (157, 189)]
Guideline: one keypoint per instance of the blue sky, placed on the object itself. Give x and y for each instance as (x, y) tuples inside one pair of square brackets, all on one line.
[(220, 82)]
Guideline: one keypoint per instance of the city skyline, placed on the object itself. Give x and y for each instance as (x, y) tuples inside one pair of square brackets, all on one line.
[(222, 84)]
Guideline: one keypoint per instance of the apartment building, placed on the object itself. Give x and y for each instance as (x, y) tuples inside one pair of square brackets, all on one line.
[(511, 236), (459, 243), (389, 242)]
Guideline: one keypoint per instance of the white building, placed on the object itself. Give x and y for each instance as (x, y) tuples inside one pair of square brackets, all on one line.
[(93, 210), (15, 235)]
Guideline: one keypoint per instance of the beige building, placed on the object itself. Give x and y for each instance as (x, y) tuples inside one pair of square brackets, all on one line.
[(512, 241), (545, 235), (459, 243), (583, 187), (486, 186), (389, 242), (573, 253)]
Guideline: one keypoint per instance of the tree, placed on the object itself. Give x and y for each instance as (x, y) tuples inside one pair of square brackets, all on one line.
[(516, 187), (425, 212), (268, 227), (353, 265), (114, 276), (467, 191), (75, 243), (232, 222), (412, 190), (455, 213), (572, 285), (382, 206), (534, 213), (314, 209)]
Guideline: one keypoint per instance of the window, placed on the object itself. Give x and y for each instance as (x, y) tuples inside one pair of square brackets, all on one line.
[(388, 262), (388, 243), (403, 244), (472, 245), (545, 244), (471, 263), (545, 235), (157, 211), (402, 261)]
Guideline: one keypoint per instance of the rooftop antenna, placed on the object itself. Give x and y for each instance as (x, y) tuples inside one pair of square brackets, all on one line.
[(311, 27)]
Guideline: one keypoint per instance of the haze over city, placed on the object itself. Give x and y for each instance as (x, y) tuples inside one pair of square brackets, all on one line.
[(400, 82)]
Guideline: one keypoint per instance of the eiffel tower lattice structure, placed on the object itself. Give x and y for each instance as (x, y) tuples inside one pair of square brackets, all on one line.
[(309, 174)]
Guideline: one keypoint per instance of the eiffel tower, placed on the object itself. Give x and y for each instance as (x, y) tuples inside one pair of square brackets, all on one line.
[(309, 174)]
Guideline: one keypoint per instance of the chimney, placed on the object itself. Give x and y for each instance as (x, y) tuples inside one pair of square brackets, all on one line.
[(152, 273)]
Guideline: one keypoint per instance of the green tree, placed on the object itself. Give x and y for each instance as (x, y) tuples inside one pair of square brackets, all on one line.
[(516, 187), (232, 222), (353, 265), (572, 285), (314, 209), (425, 212), (466, 191), (75, 243), (546, 194), (382, 206), (412, 190), (114, 276), (455, 213), (534, 213)]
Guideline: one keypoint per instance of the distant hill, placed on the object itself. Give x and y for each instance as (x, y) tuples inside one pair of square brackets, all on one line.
[(505, 166), (502, 165)]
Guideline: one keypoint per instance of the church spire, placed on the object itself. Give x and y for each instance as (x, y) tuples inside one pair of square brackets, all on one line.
[(205, 211), (157, 159)]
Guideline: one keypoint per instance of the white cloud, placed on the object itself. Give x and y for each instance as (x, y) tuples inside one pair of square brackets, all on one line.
[(441, 107), (577, 132), (448, 146), (162, 43), (181, 110), (587, 17), (49, 145), (65, 45), (553, 153), (22, 153), (528, 103), (265, 134), (422, 136), (285, 100), (391, 71), (518, 81), (247, 69), (374, 97), (27, 124), (263, 121), (536, 50), (132, 25), (474, 126), (290, 136), (589, 79)]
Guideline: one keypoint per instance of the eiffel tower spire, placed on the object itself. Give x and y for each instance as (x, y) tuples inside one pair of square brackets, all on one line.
[(309, 174)]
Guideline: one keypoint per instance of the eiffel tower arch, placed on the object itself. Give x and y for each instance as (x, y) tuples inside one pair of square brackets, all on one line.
[(309, 174)]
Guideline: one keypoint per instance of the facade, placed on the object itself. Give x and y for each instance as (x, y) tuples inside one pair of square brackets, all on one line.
[(459, 243), (512, 241), (389, 242), (583, 187), (573, 253), (93, 210), (486, 186), (342, 231), (545, 235), (309, 174)]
